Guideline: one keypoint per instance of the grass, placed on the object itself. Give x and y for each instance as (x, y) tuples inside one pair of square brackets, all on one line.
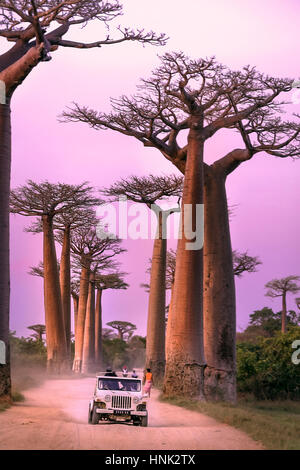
[(276, 424), (4, 404), (17, 396)]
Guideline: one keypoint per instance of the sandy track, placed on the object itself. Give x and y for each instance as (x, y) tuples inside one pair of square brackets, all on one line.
[(54, 416)]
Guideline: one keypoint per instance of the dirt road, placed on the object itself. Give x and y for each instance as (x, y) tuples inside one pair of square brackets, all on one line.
[(54, 416)]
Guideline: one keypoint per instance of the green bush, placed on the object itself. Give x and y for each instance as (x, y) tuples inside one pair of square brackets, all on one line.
[(117, 353), (266, 369), (27, 351)]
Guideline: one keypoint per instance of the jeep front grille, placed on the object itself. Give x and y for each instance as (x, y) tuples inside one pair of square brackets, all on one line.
[(121, 402)]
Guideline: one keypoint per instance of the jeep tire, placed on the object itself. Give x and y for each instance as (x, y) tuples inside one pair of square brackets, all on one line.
[(95, 416), (90, 417), (144, 421)]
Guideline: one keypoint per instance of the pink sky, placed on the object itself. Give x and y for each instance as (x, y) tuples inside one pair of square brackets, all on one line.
[(265, 190)]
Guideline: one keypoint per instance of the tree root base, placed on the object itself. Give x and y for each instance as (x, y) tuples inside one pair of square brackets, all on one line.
[(184, 380), (219, 385)]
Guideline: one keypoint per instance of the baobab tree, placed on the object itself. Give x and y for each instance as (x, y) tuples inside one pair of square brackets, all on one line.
[(87, 248), (63, 223), (39, 331), (46, 200), (123, 328), (31, 25), (104, 282), (203, 97), (152, 190), (280, 288)]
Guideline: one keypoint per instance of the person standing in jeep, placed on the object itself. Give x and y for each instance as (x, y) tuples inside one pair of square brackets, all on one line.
[(110, 373)]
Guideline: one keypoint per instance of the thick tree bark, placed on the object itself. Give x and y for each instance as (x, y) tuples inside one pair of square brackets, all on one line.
[(283, 315), (65, 287), (219, 292), (155, 344), (98, 330), (55, 332), (88, 353), (5, 168), (79, 332), (184, 349)]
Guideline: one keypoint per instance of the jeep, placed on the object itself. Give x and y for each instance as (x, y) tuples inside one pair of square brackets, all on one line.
[(118, 399)]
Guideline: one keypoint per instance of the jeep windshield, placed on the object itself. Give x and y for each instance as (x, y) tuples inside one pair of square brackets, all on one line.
[(119, 384)]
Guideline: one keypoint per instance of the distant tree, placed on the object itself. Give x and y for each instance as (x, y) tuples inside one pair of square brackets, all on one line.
[(266, 323), (39, 331), (123, 327), (280, 288), (242, 262)]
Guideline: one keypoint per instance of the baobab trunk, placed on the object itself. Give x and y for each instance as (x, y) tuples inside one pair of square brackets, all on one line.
[(219, 293), (283, 315), (75, 306), (88, 353), (55, 333), (184, 349), (5, 165), (65, 287), (79, 332), (98, 330), (155, 343)]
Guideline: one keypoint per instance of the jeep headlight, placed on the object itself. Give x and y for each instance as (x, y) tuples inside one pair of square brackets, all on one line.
[(101, 404), (141, 407), (136, 400), (107, 398)]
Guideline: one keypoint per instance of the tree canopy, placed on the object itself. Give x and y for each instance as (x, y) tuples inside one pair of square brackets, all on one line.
[(123, 328), (180, 87), (278, 287)]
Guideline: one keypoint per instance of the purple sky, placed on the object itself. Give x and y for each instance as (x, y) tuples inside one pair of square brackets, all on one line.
[(265, 190)]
